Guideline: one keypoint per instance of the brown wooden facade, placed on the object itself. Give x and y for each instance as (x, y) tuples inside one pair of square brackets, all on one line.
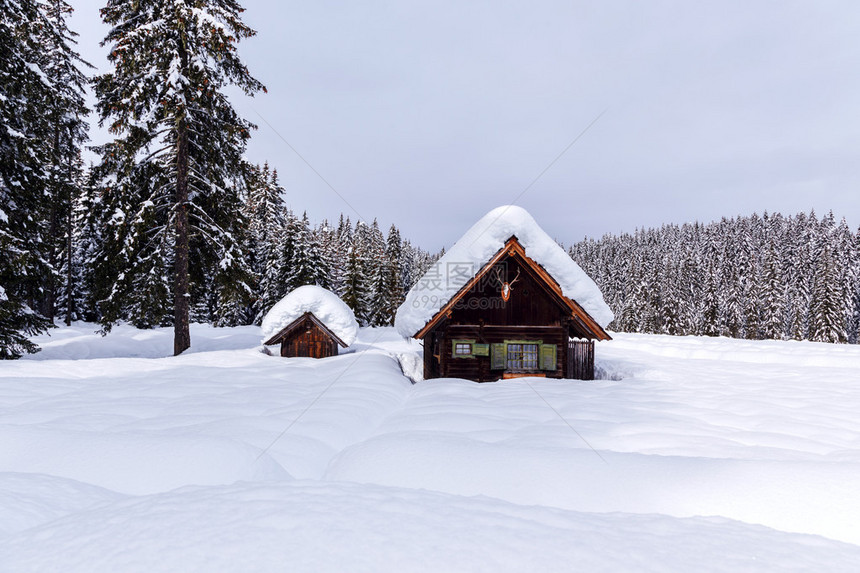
[(307, 337), (482, 335)]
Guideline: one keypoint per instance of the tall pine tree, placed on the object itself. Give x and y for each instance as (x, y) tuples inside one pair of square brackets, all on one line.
[(164, 101), (67, 131), (25, 93)]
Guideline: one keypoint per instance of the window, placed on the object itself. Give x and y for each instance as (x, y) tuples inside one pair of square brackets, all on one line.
[(463, 348), (522, 357)]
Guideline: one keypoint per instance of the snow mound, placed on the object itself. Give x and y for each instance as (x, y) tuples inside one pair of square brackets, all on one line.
[(83, 341), (476, 247), (134, 463), (324, 304), (29, 500), (322, 527)]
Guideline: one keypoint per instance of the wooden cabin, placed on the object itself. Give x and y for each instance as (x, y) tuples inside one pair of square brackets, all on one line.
[(510, 320), (307, 337)]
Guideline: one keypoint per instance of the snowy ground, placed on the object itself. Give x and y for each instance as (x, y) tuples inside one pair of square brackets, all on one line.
[(694, 454)]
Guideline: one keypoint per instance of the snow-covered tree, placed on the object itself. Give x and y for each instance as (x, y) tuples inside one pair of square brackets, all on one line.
[(388, 293), (25, 93), (165, 103), (66, 129), (306, 263), (772, 296), (267, 215), (17, 320)]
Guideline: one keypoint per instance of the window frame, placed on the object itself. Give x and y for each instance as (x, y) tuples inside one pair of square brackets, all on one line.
[(526, 365), (462, 342)]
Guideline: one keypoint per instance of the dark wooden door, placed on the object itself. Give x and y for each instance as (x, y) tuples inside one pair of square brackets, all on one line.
[(580, 359)]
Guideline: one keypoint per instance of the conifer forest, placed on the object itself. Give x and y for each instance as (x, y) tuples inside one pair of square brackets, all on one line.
[(172, 225), (756, 277)]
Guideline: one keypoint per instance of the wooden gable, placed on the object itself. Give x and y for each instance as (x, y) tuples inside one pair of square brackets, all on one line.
[(535, 300), (307, 336)]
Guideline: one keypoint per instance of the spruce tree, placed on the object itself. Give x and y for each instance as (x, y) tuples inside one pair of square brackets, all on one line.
[(71, 292), (285, 249), (372, 253), (854, 323), (827, 316), (131, 271), (353, 286), (635, 301), (710, 324), (339, 253), (67, 133), (323, 253), (828, 310), (17, 320), (165, 103), (773, 296), (24, 95), (304, 262), (799, 272), (267, 215), (388, 293)]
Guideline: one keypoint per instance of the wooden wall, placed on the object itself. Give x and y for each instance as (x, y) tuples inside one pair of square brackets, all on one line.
[(531, 313), (308, 340), (478, 368)]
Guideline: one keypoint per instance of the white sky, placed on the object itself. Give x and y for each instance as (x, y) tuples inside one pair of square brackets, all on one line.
[(429, 114)]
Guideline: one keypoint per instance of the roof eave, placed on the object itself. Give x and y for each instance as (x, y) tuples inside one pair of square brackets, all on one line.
[(281, 334)]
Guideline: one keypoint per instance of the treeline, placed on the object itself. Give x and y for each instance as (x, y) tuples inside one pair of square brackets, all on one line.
[(370, 271), (757, 277), (121, 269), (126, 275)]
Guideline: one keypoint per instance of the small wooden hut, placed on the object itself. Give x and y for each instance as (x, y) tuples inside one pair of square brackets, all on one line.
[(308, 337), (310, 321)]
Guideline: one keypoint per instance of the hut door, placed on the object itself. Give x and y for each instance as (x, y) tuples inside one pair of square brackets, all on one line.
[(319, 344), (315, 345), (311, 343)]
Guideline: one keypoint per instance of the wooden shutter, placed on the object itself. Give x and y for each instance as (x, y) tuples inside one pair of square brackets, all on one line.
[(547, 357), (498, 356)]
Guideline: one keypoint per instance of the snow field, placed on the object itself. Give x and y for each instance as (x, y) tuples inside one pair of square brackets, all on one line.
[(708, 454)]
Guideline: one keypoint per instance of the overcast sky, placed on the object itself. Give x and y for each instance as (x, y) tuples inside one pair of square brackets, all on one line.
[(427, 114)]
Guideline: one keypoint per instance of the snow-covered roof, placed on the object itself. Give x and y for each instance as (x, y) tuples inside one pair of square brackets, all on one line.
[(325, 306), (474, 249)]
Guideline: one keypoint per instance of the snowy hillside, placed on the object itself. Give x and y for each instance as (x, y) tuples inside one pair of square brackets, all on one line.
[(692, 454)]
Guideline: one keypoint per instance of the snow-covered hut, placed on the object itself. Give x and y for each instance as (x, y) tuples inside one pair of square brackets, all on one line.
[(311, 322), (505, 301)]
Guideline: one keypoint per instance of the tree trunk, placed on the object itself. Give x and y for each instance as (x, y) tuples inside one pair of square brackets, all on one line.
[(181, 334), (70, 229), (55, 187)]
